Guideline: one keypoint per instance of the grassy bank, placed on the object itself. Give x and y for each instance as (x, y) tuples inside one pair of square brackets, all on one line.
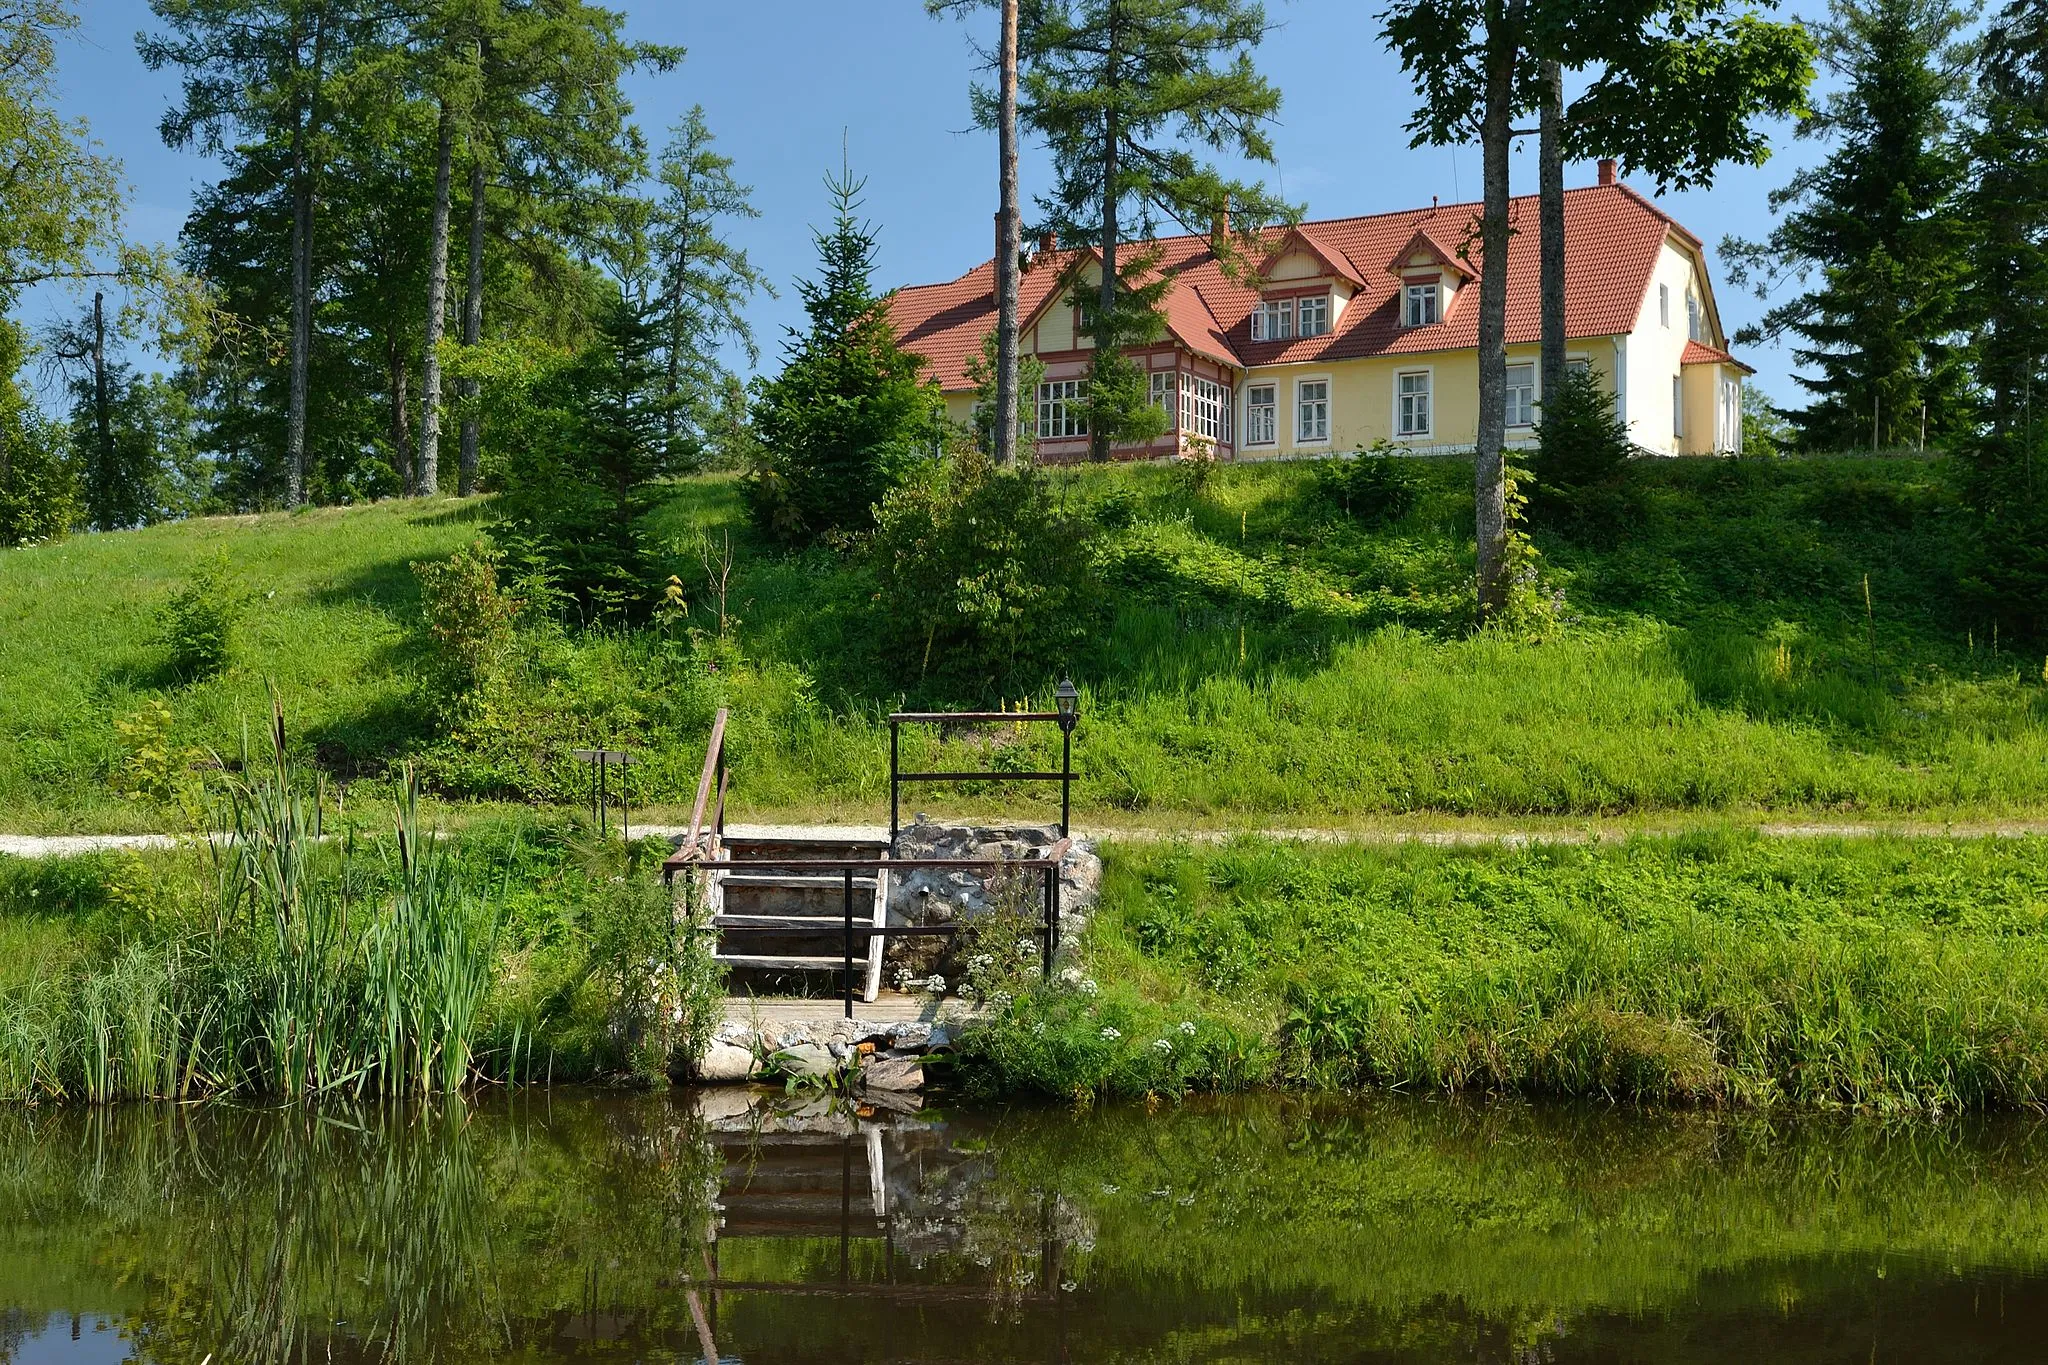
[(1716, 967), (1267, 656)]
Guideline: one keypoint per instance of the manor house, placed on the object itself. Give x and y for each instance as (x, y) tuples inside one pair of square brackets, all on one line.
[(1353, 330)]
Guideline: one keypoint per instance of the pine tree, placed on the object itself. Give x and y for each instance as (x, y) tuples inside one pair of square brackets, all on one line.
[(1124, 92), (1878, 228), (705, 282), (848, 412)]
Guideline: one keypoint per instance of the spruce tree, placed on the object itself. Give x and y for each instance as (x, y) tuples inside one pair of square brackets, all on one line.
[(1877, 232), (848, 412), (706, 282), (1124, 92)]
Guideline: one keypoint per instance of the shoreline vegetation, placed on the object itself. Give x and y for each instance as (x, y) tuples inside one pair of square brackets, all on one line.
[(1777, 642)]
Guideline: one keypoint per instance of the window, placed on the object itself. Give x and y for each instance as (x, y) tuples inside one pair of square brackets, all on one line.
[(1162, 391), (1273, 320), (1205, 407), (1313, 313), (1677, 405), (1312, 410), (1421, 305), (1664, 304), (1578, 364), (1521, 395), (1261, 415), (1411, 404), (1692, 315), (1059, 409)]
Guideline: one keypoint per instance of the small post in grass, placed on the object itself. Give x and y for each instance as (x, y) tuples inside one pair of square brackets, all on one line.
[(601, 762)]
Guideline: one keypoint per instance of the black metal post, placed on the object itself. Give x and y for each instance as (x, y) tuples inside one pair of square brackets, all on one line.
[(1055, 909), (604, 795), (845, 1206), (1046, 929), (625, 806), (895, 783), (848, 942), (1066, 777)]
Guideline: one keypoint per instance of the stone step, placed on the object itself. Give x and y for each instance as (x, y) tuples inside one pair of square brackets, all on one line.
[(796, 881)]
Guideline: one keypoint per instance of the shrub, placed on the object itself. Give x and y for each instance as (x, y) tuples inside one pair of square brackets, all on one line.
[(196, 623), (1580, 442), (1374, 487), (468, 615), (984, 575)]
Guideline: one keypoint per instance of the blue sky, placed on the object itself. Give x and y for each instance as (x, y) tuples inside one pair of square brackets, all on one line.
[(782, 81)]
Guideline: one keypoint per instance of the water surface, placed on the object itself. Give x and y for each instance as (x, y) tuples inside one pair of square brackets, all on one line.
[(672, 1228)]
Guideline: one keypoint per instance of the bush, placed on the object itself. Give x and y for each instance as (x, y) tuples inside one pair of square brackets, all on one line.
[(196, 623), (1374, 487), (1580, 442), (468, 615), (984, 576)]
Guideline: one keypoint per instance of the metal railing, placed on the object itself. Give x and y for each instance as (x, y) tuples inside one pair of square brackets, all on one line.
[(897, 777)]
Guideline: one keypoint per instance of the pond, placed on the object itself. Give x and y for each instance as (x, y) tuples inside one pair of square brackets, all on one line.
[(558, 1226)]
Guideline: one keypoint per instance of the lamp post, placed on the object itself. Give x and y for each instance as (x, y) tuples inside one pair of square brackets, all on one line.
[(1067, 698)]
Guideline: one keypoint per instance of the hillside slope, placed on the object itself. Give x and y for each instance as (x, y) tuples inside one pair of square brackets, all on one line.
[(1267, 656)]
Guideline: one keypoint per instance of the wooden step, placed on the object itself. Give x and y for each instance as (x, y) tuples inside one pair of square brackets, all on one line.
[(792, 963), (794, 923), (796, 881)]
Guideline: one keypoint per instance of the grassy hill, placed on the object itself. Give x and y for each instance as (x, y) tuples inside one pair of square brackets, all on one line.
[(1270, 658)]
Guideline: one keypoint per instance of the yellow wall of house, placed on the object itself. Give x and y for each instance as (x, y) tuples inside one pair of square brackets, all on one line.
[(960, 408), (1700, 383), (1362, 399)]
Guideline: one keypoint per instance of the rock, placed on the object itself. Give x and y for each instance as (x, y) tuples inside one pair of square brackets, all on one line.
[(939, 1038), (911, 1035), (892, 1073), (726, 1105), (806, 1059), (725, 1062)]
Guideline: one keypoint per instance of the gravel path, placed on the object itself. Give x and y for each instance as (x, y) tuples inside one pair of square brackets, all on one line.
[(69, 845)]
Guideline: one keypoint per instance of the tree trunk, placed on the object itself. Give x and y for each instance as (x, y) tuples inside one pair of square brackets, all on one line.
[(1106, 331), (1488, 477), (672, 378), (303, 171), (401, 420), (1550, 222), (428, 481), (473, 323), (1009, 244), (102, 415)]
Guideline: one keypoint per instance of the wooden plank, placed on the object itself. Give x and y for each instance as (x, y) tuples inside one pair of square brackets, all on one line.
[(967, 717)]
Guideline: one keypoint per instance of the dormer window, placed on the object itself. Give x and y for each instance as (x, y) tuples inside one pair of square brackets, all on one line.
[(1421, 305), (1692, 315), (1273, 320), (1313, 313)]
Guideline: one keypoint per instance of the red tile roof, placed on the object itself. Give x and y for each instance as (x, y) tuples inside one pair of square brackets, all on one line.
[(1612, 239), (1699, 353)]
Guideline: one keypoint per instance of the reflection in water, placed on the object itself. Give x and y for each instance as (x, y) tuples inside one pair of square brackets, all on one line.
[(705, 1227)]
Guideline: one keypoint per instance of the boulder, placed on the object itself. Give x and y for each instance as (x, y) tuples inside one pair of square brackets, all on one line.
[(725, 1062), (892, 1073), (807, 1059)]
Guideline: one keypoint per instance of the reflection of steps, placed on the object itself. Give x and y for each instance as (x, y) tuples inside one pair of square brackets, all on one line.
[(803, 1185), (772, 916)]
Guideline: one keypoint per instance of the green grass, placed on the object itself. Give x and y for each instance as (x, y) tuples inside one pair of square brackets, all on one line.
[(1266, 660), (1715, 967)]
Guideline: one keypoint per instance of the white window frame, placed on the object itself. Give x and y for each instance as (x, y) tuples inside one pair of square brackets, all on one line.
[(1300, 401), (1412, 298), (1427, 431), (1664, 304), (1205, 407), (1693, 319), (1527, 412), (1058, 401), (1162, 393), (1301, 305), (1253, 425), (1273, 320)]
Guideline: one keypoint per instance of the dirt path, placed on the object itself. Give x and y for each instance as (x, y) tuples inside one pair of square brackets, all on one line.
[(71, 845)]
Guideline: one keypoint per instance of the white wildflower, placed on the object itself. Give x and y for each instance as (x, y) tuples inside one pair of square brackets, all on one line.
[(1187, 1026), (1110, 1035), (1162, 1045), (935, 983), (1088, 986)]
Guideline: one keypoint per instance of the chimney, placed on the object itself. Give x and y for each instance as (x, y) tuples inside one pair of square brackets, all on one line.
[(1048, 241), (1219, 228), (1607, 170)]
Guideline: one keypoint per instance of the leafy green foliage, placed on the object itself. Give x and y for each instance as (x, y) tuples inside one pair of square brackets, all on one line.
[(1374, 488), (197, 620), (848, 414), (983, 576), (468, 615)]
